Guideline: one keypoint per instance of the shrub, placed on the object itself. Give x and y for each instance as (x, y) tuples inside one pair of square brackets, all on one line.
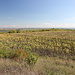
[(1, 55), (4, 54), (12, 31), (18, 55), (32, 59), (19, 31)]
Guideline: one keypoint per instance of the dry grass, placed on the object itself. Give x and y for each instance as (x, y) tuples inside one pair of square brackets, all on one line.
[(10, 67), (44, 66)]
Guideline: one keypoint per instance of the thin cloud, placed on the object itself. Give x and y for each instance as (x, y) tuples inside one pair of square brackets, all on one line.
[(9, 26), (43, 25), (70, 19), (46, 23), (10, 17)]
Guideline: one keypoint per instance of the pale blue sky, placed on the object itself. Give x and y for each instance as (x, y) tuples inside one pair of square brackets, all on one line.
[(37, 13)]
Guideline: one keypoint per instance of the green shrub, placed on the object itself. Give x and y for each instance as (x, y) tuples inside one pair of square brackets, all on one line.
[(1, 55), (32, 59), (4, 54), (19, 31), (12, 31)]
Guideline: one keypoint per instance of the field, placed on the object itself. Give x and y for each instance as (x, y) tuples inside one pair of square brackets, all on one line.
[(38, 52)]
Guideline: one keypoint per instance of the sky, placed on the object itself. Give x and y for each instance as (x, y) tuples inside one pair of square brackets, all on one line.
[(37, 13)]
